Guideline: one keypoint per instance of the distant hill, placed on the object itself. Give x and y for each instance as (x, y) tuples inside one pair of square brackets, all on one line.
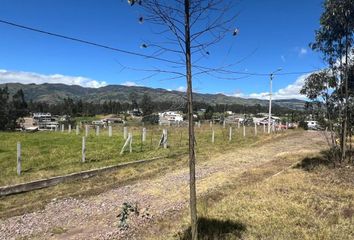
[(54, 93)]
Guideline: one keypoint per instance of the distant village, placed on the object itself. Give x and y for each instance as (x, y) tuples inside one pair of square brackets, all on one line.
[(49, 122)]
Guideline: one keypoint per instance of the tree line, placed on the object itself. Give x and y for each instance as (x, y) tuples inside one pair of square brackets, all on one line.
[(79, 108)]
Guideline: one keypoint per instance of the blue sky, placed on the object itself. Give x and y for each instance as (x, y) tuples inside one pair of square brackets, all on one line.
[(273, 34)]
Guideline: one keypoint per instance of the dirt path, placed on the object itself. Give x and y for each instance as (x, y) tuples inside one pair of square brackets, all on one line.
[(95, 217)]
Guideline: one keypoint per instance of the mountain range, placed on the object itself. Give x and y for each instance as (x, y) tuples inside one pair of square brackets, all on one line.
[(54, 93)]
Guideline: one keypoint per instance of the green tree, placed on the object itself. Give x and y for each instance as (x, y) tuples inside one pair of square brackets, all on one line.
[(209, 113), (4, 108), (334, 39), (147, 106)]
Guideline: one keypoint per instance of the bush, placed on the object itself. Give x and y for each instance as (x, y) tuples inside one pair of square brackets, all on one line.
[(303, 124), (151, 119)]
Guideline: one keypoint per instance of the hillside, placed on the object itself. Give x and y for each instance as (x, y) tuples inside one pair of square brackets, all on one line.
[(53, 93)]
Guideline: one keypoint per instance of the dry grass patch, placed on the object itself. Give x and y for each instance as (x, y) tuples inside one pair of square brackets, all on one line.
[(293, 205)]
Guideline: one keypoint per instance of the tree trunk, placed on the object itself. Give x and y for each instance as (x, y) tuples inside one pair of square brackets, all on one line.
[(192, 185), (345, 120)]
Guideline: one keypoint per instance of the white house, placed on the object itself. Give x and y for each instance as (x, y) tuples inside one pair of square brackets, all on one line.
[(264, 121), (170, 118), (312, 125), (45, 121)]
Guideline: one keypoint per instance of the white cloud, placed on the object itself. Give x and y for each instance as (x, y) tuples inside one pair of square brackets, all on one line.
[(30, 77), (283, 58), (290, 91), (130, 84), (181, 89), (302, 51)]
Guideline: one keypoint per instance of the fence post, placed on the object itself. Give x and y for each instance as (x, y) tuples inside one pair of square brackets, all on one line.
[(97, 130), (130, 142), (224, 124), (77, 130), (230, 134), (18, 158), (255, 129), (213, 136), (286, 127), (238, 124), (264, 128), (69, 128), (165, 138), (144, 135), (86, 130), (110, 131), (83, 149), (211, 124), (244, 130), (62, 128), (198, 124), (125, 132)]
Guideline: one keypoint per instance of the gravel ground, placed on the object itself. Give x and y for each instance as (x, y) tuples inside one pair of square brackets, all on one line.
[(95, 217)]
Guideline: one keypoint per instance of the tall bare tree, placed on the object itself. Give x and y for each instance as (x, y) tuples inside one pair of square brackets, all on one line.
[(190, 28)]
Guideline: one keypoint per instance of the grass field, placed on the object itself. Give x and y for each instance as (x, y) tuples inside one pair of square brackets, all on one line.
[(297, 204), (47, 154)]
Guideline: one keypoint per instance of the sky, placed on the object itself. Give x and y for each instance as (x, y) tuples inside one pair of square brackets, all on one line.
[(272, 34)]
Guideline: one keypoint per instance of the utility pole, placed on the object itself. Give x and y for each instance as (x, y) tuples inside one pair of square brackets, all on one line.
[(271, 75)]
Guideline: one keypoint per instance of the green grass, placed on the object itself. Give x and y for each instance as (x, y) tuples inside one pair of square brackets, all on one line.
[(48, 154)]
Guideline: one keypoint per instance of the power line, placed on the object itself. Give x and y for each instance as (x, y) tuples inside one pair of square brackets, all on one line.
[(86, 42), (220, 70)]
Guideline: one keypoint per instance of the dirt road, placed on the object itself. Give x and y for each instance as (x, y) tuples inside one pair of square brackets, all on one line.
[(95, 217)]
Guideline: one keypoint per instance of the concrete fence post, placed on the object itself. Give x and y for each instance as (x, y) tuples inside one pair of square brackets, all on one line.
[(198, 124), (264, 128), (238, 124), (130, 142), (125, 133), (69, 128), (110, 131), (165, 138), (244, 130), (77, 130), (18, 158), (62, 128), (83, 150), (144, 135), (97, 130), (211, 124), (255, 129), (230, 134), (213, 136), (224, 124), (86, 130)]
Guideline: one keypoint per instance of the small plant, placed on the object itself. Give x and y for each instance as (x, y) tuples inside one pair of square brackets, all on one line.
[(125, 211)]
